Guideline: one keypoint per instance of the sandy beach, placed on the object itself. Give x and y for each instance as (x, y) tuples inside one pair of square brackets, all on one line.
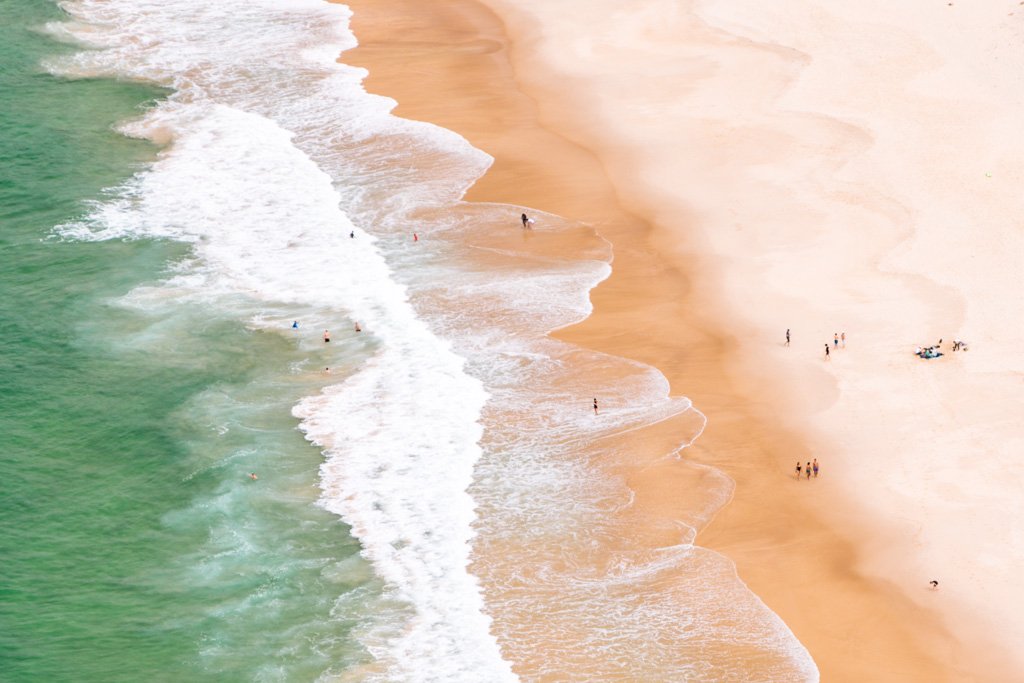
[(826, 169)]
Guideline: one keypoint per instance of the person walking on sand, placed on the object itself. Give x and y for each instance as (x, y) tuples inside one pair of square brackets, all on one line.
[(842, 338), (799, 469), (815, 466), (787, 336), (327, 336), (835, 340), (595, 406), (808, 470), (826, 351), (934, 585)]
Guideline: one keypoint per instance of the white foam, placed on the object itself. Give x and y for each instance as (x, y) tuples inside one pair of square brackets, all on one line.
[(400, 436)]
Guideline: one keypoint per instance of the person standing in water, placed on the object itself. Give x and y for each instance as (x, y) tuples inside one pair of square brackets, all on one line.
[(595, 406), (327, 336), (525, 219), (358, 329), (295, 324)]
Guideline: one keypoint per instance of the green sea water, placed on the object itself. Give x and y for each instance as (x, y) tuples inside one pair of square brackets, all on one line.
[(133, 544)]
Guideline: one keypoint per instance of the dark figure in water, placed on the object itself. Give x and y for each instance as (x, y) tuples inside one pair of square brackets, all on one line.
[(595, 406), (525, 220), (352, 234)]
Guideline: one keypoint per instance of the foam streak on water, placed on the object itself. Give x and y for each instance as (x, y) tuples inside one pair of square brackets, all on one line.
[(401, 433)]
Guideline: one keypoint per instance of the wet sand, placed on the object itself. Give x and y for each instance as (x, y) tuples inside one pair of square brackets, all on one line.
[(714, 258)]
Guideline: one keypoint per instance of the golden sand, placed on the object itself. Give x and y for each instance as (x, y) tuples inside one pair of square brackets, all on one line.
[(806, 548)]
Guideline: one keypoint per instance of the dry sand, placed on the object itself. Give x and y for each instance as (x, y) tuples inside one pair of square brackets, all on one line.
[(814, 166)]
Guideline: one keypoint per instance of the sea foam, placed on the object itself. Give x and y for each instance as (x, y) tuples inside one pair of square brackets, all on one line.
[(264, 223)]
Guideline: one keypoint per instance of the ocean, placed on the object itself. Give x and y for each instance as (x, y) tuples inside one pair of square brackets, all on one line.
[(198, 485)]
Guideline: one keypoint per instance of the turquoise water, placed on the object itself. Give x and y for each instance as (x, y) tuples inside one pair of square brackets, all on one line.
[(133, 544)]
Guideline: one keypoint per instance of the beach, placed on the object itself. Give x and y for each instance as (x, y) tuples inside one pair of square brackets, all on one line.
[(598, 281), (825, 170)]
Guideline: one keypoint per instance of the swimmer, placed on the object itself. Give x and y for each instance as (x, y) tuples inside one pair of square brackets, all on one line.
[(327, 336), (252, 475), (295, 324)]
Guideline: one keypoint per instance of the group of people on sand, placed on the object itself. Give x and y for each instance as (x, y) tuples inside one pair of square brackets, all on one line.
[(934, 352), (808, 470), (838, 341)]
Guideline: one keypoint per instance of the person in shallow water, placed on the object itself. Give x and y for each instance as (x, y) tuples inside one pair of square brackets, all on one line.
[(595, 406), (327, 336), (525, 220)]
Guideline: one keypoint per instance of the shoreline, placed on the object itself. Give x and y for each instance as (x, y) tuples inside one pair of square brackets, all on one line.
[(855, 626)]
